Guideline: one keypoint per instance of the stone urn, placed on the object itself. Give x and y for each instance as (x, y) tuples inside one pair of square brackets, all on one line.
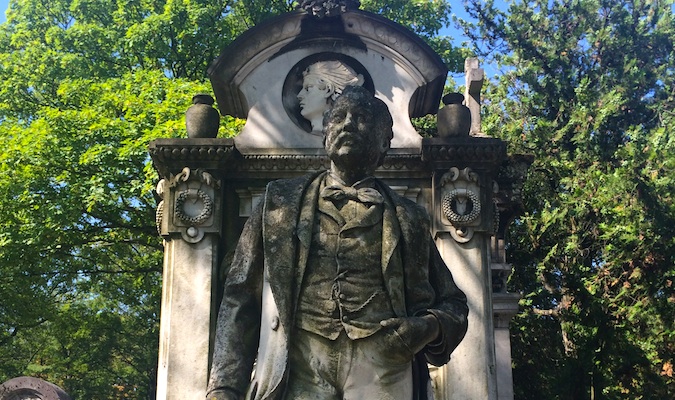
[(454, 119), (201, 119)]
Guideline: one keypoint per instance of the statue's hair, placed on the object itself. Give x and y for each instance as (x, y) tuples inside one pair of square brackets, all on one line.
[(334, 73)]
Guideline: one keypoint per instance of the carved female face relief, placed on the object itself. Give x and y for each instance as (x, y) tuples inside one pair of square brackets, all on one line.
[(322, 83), (313, 99)]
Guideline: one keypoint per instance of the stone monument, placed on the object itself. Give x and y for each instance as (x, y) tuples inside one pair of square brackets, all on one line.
[(211, 186)]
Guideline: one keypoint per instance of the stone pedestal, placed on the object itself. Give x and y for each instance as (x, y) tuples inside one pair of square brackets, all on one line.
[(470, 374), (505, 306)]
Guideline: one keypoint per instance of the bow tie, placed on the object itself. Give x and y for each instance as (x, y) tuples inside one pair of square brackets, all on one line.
[(363, 195)]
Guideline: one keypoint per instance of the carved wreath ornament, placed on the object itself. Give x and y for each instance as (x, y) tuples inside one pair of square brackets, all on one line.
[(461, 199), (191, 193), (194, 195), (460, 203)]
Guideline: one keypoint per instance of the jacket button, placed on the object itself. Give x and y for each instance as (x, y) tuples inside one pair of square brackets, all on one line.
[(275, 323)]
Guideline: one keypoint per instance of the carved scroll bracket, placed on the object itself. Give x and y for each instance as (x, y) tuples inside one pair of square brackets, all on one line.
[(189, 205)]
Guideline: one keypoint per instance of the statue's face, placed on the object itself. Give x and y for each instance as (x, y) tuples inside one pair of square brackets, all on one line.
[(313, 99), (352, 137)]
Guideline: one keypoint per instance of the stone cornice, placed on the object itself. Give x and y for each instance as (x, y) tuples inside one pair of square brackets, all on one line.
[(172, 155), (475, 152)]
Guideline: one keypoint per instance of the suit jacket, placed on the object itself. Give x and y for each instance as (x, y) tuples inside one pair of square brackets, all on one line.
[(256, 316)]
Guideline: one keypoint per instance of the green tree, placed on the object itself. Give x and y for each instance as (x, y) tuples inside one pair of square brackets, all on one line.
[(587, 87), (85, 86)]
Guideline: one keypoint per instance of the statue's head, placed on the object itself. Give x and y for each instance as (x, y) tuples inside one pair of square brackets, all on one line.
[(358, 129), (322, 83)]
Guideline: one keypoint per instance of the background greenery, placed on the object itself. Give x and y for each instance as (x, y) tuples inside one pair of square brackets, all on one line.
[(585, 86)]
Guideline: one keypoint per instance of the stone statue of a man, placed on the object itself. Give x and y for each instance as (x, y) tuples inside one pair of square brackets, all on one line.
[(336, 290)]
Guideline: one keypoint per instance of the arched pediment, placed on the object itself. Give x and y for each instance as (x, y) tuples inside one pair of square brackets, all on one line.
[(259, 75)]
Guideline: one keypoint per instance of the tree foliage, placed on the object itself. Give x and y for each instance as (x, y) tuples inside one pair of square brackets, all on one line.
[(588, 87), (85, 86)]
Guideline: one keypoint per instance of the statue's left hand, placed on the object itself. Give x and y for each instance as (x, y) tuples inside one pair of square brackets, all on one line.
[(416, 332)]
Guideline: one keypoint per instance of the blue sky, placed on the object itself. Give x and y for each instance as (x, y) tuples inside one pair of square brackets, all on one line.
[(4, 4)]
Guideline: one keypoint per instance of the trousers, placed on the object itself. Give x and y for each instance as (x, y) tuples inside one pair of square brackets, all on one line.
[(346, 369)]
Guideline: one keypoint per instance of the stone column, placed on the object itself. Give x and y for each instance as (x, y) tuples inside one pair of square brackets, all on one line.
[(508, 205), (463, 222), (505, 306), (189, 219)]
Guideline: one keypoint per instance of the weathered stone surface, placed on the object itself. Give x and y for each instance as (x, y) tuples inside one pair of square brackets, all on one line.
[(330, 8), (29, 388), (188, 312), (471, 374), (336, 263)]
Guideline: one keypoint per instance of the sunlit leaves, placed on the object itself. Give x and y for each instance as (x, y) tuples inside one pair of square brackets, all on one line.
[(587, 89), (85, 85)]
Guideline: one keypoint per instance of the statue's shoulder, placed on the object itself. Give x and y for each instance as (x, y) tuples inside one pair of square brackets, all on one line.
[(289, 190)]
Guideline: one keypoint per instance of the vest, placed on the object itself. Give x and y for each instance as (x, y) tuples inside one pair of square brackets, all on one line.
[(343, 287)]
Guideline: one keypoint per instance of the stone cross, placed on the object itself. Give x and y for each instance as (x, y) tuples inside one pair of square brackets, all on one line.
[(474, 82)]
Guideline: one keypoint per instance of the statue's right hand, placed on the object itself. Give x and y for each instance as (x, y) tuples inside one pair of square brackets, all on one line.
[(415, 332)]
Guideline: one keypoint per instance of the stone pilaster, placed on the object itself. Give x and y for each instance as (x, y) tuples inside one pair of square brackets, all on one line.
[(462, 218), (189, 218)]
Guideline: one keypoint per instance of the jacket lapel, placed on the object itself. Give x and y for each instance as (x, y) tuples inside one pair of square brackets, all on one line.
[(308, 209), (392, 265), (285, 228), (327, 207)]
